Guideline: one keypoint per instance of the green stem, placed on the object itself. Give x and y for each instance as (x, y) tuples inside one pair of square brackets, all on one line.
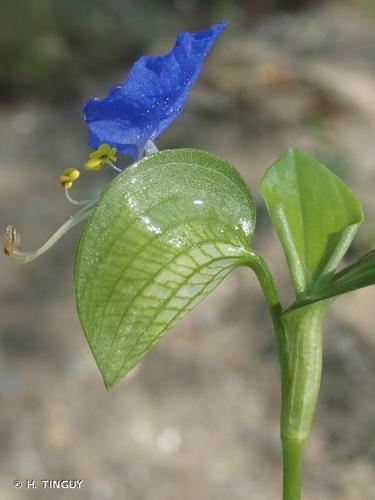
[(299, 340), (267, 283), (292, 468)]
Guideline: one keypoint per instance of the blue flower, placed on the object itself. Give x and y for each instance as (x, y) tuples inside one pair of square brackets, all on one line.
[(152, 96)]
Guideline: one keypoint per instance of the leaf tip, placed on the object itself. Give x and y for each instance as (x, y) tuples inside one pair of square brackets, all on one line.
[(296, 154), (109, 382)]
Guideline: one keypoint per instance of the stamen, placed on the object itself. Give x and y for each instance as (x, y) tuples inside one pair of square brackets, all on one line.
[(115, 167), (93, 164), (73, 201), (104, 155), (13, 240), (69, 176)]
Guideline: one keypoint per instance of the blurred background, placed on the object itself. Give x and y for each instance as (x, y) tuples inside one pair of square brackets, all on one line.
[(199, 417)]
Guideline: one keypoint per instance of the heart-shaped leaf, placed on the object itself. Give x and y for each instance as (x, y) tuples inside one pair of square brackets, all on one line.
[(162, 236), (315, 215)]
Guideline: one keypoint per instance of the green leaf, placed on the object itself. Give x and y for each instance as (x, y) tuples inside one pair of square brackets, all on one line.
[(315, 215), (162, 236), (358, 275)]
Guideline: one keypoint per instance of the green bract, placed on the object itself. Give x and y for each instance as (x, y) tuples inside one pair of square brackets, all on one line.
[(358, 275), (315, 215), (162, 236)]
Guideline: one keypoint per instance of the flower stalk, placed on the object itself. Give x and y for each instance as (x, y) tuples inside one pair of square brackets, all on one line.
[(12, 239)]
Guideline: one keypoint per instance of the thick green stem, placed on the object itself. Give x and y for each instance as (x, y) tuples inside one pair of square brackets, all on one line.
[(303, 333), (299, 340), (301, 383), (292, 468)]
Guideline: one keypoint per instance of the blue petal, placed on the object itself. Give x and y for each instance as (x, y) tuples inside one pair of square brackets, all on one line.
[(152, 96)]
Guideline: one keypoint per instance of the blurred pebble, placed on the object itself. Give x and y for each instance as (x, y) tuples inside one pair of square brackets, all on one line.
[(101, 490), (169, 441)]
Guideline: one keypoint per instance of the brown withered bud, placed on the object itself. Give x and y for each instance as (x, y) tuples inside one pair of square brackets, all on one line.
[(12, 240)]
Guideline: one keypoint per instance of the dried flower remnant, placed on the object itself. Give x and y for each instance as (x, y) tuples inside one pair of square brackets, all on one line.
[(12, 240)]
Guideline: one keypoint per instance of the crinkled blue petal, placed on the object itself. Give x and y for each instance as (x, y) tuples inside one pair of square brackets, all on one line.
[(152, 96)]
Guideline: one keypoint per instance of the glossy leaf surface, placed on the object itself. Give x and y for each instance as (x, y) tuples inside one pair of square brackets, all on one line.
[(162, 236), (315, 215)]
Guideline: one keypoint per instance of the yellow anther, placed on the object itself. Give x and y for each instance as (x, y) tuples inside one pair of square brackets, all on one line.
[(94, 164), (102, 156), (68, 177)]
